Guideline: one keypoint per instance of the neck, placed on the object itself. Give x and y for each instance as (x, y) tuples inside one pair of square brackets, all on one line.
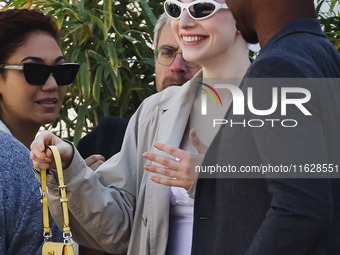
[(24, 132), (232, 64), (269, 22)]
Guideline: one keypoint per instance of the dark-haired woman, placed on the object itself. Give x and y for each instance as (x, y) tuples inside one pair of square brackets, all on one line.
[(33, 76)]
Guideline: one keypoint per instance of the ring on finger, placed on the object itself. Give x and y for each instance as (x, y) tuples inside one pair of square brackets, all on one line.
[(177, 159)]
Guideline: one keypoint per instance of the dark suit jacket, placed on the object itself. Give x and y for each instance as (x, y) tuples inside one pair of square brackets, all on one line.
[(106, 139), (273, 216)]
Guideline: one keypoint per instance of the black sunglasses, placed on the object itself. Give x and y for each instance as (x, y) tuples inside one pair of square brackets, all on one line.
[(37, 74), (199, 9)]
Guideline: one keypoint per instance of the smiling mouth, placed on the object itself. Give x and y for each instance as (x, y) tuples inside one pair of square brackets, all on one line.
[(48, 101), (192, 38)]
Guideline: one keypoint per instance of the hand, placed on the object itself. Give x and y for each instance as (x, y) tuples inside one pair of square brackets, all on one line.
[(94, 161), (177, 167), (43, 158)]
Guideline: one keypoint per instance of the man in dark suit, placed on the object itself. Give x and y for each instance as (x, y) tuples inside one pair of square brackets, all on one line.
[(274, 216)]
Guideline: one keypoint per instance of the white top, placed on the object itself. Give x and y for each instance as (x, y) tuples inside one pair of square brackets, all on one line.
[(181, 219), (181, 215)]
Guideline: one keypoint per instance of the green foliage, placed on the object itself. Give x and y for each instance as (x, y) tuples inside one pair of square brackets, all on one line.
[(330, 19), (111, 40)]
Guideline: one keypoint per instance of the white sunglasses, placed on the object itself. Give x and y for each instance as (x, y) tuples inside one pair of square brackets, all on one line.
[(199, 9)]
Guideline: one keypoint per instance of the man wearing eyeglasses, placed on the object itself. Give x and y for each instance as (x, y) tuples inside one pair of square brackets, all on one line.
[(285, 215), (170, 67)]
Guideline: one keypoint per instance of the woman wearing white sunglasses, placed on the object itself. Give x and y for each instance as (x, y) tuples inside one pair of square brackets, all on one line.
[(121, 205), (207, 34)]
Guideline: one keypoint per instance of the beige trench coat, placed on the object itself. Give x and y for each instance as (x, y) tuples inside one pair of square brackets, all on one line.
[(118, 207)]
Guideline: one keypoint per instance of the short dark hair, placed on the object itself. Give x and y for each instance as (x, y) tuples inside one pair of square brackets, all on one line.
[(17, 24)]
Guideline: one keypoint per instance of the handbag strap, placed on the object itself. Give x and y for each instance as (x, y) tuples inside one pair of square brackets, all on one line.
[(44, 201), (63, 198)]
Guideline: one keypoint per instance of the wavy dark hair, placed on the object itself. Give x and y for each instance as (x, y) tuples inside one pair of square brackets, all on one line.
[(17, 24)]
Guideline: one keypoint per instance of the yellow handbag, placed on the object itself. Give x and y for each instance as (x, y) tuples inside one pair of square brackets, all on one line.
[(49, 247)]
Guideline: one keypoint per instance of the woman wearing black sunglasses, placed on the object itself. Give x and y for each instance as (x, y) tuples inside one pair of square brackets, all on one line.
[(31, 69), (121, 206)]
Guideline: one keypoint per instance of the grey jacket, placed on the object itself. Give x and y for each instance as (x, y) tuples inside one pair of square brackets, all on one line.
[(21, 224), (118, 206)]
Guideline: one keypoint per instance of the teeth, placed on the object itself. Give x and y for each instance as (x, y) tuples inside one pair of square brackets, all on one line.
[(192, 38)]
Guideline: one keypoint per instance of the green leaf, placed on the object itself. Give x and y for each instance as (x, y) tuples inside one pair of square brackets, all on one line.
[(85, 80), (76, 28), (111, 84), (107, 7), (112, 55), (78, 130), (332, 5), (117, 26), (130, 38), (118, 84), (99, 58), (18, 3), (100, 24), (60, 17), (106, 109), (149, 61), (73, 12), (66, 2), (75, 55), (147, 9), (318, 7), (107, 70), (97, 83), (337, 44)]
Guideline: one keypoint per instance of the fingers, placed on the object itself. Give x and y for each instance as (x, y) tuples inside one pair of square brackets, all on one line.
[(38, 146), (94, 161), (178, 170), (195, 140), (43, 158), (173, 151), (182, 183), (179, 177), (163, 160), (162, 170), (94, 158), (95, 165), (168, 182)]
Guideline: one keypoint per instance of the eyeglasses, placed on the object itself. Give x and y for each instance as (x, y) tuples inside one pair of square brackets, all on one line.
[(166, 56), (37, 74), (199, 9)]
